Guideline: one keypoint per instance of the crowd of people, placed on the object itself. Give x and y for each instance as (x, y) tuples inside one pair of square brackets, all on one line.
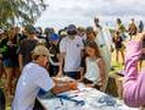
[(72, 51)]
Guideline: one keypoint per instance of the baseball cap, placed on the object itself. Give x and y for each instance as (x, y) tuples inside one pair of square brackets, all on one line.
[(71, 29), (40, 50), (54, 37)]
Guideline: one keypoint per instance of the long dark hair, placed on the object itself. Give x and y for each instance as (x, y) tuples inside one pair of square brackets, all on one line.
[(94, 45)]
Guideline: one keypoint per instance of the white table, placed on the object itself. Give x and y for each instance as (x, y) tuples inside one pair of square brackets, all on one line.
[(83, 99)]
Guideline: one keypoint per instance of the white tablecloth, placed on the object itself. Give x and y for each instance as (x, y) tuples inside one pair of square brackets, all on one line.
[(82, 99)]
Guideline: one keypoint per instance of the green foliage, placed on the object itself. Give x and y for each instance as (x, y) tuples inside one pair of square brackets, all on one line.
[(20, 12)]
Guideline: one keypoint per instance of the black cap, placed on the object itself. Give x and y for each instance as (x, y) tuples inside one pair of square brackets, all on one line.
[(71, 29)]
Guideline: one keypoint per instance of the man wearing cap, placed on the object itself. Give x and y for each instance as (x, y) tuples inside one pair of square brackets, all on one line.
[(71, 50), (34, 78), (26, 46)]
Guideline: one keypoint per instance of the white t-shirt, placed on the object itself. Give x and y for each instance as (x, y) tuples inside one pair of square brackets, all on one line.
[(73, 49), (33, 78), (93, 71)]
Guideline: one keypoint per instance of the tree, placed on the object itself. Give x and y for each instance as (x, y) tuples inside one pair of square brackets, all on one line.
[(20, 12)]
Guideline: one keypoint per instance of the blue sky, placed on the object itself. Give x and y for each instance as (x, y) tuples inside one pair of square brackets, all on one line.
[(63, 12)]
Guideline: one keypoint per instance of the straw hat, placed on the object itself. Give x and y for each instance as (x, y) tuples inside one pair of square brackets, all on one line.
[(40, 50)]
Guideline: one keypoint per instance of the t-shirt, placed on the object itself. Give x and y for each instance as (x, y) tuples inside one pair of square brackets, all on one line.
[(9, 49), (26, 48), (20, 37), (33, 78), (73, 49)]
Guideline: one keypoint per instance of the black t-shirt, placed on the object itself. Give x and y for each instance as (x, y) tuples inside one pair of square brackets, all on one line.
[(20, 37), (26, 47), (9, 49), (4, 48)]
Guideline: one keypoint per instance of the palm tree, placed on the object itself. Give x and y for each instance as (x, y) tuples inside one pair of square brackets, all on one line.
[(20, 12)]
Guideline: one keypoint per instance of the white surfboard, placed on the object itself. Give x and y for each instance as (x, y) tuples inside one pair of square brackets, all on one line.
[(104, 41)]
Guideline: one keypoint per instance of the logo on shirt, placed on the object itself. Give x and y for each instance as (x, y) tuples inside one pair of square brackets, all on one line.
[(78, 45)]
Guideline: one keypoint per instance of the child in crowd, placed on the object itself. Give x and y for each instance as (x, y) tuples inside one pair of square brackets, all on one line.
[(54, 57), (95, 71)]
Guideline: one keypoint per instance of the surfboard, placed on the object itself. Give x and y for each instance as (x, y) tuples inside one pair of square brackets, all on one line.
[(104, 41)]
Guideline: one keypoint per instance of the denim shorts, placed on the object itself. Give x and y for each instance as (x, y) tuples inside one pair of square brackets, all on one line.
[(73, 75), (10, 63)]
